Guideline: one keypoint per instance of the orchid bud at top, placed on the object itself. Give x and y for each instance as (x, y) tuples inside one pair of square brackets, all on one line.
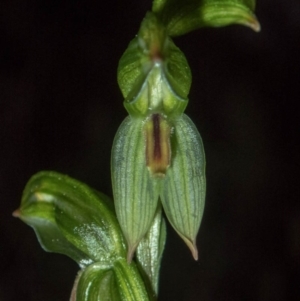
[(153, 73)]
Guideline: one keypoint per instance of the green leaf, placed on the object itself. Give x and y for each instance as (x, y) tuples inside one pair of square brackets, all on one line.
[(153, 60), (183, 16), (150, 250), (71, 218), (183, 193), (118, 282), (97, 282), (90, 225), (135, 191)]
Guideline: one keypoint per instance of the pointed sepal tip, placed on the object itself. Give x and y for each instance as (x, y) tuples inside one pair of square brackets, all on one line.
[(130, 252)]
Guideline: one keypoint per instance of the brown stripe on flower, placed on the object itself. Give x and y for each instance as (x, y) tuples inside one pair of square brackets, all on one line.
[(158, 150)]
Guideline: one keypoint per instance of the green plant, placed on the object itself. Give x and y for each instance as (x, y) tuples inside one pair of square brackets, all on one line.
[(157, 163)]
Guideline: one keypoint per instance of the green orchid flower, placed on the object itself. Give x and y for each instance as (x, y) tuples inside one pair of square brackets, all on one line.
[(157, 155)]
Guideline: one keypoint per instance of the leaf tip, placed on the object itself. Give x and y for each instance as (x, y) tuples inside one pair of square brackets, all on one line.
[(17, 213), (254, 25)]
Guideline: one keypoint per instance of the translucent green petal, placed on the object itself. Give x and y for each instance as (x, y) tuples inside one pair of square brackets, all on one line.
[(135, 190), (183, 192)]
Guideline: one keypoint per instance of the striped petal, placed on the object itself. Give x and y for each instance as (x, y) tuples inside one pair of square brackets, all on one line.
[(183, 192), (135, 190)]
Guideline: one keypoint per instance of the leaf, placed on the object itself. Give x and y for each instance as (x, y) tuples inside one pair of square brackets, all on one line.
[(183, 193), (71, 218), (183, 16), (117, 282), (97, 282)]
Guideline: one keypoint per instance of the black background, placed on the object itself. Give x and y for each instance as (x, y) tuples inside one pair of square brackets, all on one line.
[(60, 107)]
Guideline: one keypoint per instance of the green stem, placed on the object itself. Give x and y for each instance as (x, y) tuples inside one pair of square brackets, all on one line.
[(130, 281)]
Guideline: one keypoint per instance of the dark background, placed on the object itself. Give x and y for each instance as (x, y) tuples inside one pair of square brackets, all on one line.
[(60, 107)]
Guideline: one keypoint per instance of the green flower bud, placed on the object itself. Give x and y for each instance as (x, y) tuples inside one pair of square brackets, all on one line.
[(71, 218), (152, 60)]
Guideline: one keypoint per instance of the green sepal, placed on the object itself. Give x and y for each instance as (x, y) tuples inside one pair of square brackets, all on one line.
[(71, 218), (183, 192), (183, 16), (97, 283), (149, 251), (153, 60), (135, 191)]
